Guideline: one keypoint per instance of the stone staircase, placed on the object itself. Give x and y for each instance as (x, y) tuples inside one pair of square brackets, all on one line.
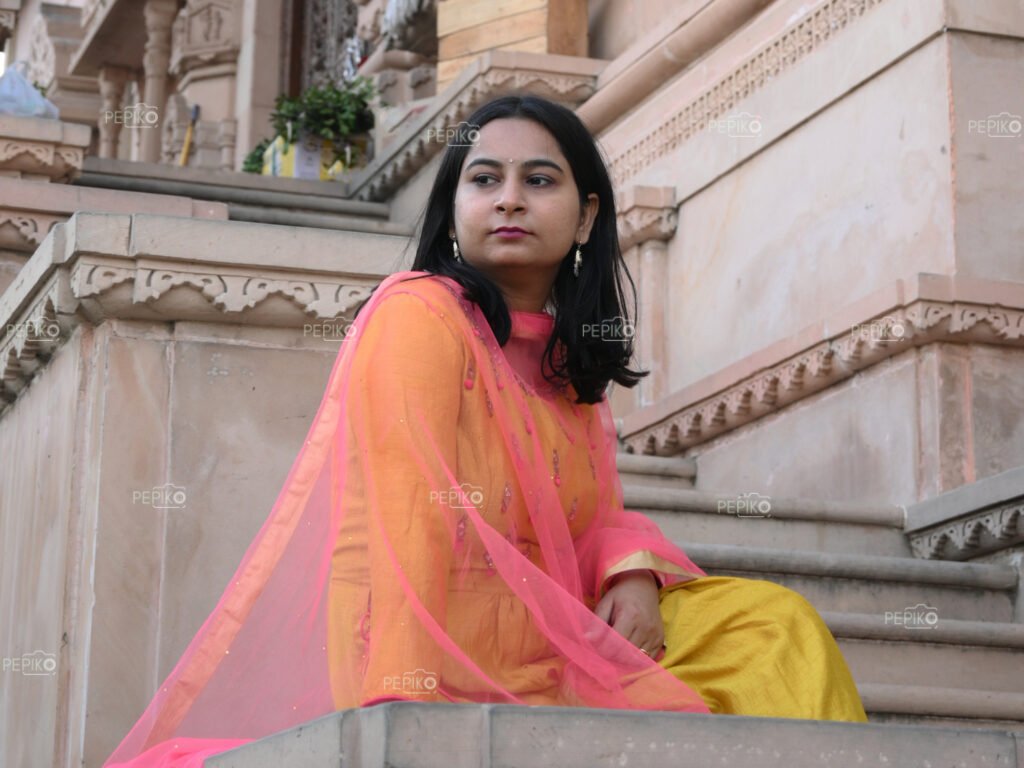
[(956, 660), (249, 197), (943, 685)]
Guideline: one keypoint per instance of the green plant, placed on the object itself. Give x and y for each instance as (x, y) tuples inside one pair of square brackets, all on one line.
[(253, 162), (328, 112), (39, 88)]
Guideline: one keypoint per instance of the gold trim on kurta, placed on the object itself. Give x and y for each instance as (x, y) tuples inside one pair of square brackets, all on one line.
[(643, 560)]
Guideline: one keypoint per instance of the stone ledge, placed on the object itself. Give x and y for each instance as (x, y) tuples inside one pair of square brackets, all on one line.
[(977, 519), (414, 735), (144, 267), (36, 148), (923, 309), (31, 210)]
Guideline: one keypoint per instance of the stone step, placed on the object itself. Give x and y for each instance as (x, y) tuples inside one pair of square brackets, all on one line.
[(250, 197), (873, 584), (761, 521), (963, 655), (299, 218), (415, 735), (656, 471), (933, 707)]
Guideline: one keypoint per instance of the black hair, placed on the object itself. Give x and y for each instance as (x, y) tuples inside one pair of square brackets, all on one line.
[(595, 299)]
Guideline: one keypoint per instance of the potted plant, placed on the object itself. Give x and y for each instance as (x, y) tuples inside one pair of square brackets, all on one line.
[(328, 126)]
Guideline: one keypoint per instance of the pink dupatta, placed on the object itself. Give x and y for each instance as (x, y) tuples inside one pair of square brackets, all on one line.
[(422, 504)]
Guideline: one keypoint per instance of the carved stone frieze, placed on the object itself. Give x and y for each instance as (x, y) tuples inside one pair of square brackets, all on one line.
[(984, 531), (825, 364), (205, 32), (772, 59), (24, 230), (94, 288)]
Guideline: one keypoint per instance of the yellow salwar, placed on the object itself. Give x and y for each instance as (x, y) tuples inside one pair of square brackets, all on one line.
[(734, 640)]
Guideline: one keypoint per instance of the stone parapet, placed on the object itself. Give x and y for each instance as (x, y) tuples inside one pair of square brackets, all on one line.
[(36, 149)]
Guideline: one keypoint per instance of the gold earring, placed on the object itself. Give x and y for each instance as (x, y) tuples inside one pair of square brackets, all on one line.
[(455, 251), (576, 263)]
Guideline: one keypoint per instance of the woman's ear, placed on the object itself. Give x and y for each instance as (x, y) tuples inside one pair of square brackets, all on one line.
[(588, 217)]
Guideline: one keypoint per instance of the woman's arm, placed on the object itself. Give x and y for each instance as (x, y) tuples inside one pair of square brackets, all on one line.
[(407, 386)]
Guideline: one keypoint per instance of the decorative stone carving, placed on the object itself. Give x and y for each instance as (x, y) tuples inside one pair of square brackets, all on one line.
[(329, 25), (977, 534), (35, 149), (23, 230), (96, 287), (771, 59), (825, 364), (42, 56), (205, 32)]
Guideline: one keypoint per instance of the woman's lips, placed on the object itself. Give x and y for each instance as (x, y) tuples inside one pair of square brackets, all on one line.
[(511, 234)]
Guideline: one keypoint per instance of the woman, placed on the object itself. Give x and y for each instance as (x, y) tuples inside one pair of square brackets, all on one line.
[(453, 529)]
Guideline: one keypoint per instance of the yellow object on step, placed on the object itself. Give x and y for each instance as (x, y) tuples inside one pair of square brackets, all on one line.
[(752, 647)]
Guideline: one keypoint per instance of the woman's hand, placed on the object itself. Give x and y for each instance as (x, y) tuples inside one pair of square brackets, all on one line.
[(631, 606)]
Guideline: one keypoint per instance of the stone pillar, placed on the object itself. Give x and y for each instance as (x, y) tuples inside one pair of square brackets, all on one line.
[(159, 15), (647, 219), (8, 19), (112, 82)]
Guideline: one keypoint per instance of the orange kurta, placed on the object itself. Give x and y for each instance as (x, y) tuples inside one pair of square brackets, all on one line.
[(429, 368)]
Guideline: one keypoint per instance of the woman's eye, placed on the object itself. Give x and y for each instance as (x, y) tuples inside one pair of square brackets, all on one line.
[(545, 179)]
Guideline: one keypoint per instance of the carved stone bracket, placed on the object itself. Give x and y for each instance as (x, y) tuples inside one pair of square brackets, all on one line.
[(496, 72), (825, 364), (645, 213), (977, 534)]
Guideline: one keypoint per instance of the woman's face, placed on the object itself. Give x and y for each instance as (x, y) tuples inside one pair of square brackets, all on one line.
[(535, 192)]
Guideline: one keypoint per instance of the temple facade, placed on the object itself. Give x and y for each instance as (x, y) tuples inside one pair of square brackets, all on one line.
[(819, 202)]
